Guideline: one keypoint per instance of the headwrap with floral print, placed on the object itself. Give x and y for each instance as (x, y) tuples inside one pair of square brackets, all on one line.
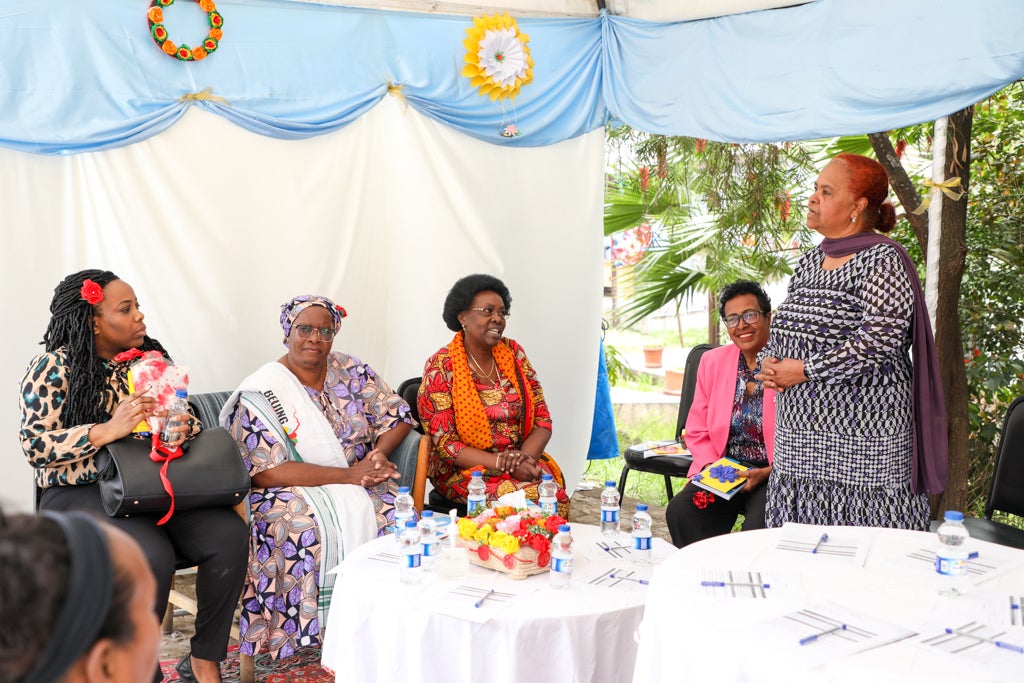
[(290, 311)]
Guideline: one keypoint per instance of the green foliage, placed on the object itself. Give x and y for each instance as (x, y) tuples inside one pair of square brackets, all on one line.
[(619, 370), (720, 211)]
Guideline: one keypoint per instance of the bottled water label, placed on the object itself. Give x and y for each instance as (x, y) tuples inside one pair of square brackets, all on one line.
[(610, 516), (562, 565), (410, 560), (474, 504), (430, 549), (641, 542), (950, 566), (549, 507)]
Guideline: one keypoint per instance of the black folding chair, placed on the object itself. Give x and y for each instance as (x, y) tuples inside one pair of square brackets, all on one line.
[(668, 465)]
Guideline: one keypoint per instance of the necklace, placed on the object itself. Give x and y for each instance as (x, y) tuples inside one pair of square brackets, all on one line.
[(479, 368)]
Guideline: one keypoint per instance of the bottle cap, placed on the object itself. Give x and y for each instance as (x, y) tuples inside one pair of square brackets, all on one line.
[(427, 513), (409, 524), (181, 393), (547, 476), (403, 489), (641, 507), (954, 516), (563, 527), (610, 483)]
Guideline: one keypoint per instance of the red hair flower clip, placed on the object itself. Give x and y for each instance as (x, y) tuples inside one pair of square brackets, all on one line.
[(91, 292), (341, 311)]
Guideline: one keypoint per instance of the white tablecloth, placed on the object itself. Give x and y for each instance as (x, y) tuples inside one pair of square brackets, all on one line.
[(880, 582), (382, 630)]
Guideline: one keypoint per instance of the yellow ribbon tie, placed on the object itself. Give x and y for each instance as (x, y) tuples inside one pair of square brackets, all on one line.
[(947, 187), (205, 94), (397, 89)]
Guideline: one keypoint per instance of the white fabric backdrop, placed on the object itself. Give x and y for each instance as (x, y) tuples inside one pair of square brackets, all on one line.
[(215, 227)]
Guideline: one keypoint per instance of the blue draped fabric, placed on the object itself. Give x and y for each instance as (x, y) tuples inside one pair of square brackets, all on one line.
[(604, 441), (84, 75)]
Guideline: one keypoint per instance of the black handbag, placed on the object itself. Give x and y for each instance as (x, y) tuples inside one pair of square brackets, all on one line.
[(209, 474)]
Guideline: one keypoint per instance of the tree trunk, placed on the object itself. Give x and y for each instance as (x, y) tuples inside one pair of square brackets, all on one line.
[(713, 325), (948, 339), (952, 257)]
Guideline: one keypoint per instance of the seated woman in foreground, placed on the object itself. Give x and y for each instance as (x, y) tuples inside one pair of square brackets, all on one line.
[(481, 402), (732, 415), (315, 428), (77, 602)]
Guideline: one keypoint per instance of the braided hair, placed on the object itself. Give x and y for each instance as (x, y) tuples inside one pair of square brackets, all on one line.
[(71, 323)]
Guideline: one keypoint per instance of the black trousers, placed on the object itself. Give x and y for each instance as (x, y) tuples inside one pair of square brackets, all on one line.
[(688, 524), (214, 539)]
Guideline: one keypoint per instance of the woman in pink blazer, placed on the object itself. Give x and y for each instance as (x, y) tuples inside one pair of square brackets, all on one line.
[(732, 415)]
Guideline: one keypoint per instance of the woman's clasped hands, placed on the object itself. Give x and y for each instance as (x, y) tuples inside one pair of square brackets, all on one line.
[(518, 464), (780, 375), (375, 469)]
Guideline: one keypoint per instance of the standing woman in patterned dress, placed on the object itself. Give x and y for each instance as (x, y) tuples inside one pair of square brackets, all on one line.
[(860, 429)]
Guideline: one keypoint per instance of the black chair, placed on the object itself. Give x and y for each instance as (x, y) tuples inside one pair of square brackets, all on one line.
[(408, 390), (1007, 491), (668, 465)]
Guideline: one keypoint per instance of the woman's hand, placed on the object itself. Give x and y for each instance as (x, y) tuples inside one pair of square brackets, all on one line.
[(180, 429), (756, 476), (127, 415), (781, 374), (375, 469), (527, 471)]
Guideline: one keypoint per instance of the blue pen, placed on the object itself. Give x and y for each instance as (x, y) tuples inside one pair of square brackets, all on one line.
[(973, 556), (814, 636), (823, 539), (629, 578), (723, 584), (998, 643), (481, 600)]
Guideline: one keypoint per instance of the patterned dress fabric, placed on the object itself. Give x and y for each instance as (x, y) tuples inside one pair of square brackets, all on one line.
[(843, 442), (279, 603), (502, 406), (746, 429)]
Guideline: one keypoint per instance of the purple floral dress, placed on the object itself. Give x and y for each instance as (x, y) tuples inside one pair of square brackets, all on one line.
[(279, 603)]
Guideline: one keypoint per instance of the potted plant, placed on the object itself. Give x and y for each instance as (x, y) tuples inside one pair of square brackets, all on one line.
[(674, 381), (652, 355)]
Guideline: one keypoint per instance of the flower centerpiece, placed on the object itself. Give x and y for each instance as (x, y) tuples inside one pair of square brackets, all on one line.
[(515, 541)]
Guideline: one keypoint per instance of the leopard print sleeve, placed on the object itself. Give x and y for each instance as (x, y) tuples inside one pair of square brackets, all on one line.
[(62, 455)]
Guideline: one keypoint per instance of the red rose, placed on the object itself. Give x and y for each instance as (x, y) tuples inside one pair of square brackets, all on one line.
[(125, 356), (509, 561), (483, 552), (553, 522), (543, 559), (539, 543), (702, 499), (91, 292)]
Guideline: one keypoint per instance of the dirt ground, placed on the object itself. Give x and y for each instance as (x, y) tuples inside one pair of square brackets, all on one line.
[(586, 509)]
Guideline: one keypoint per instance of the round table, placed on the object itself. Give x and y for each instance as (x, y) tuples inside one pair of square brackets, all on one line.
[(878, 583), (382, 630)]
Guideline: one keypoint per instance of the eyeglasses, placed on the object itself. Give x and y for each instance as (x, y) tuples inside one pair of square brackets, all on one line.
[(749, 317), (306, 332), (488, 312)]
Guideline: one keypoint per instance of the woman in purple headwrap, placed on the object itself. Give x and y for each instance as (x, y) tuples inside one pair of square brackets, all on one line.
[(315, 428)]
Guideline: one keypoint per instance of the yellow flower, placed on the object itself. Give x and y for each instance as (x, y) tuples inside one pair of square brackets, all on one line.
[(504, 542), (467, 529), (483, 534)]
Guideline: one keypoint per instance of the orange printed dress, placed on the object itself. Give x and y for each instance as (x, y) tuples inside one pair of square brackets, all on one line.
[(457, 411)]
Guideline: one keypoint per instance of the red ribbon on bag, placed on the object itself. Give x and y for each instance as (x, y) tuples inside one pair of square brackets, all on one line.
[(160, 453)]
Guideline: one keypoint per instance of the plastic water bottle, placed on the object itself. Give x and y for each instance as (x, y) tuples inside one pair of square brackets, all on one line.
[(410, 558), (642, 535), (403, 509), (178, 407), (610, 509), (428, 538), (547, 494), (476, 498), (951, 555), (561, 558)]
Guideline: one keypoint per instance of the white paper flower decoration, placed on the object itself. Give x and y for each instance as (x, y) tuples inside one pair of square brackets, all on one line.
[(498, 61)]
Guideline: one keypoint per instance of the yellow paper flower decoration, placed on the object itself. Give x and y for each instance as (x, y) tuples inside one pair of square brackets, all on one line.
[(497, 60)]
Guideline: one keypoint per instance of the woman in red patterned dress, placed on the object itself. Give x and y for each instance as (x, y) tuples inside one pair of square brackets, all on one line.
[(481, 402)]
